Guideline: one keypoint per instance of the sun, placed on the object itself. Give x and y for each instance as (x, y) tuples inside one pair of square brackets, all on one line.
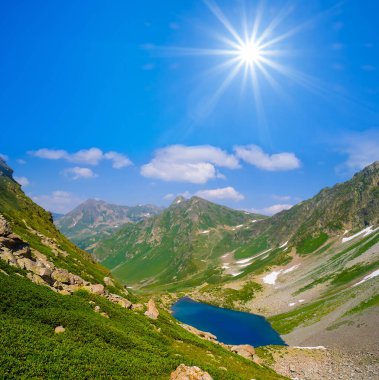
[(250, 53)]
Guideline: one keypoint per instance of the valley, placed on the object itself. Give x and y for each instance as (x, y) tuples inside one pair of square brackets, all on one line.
[(315, 280)]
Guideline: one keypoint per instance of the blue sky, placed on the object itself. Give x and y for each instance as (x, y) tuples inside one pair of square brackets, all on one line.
[(124, 100)]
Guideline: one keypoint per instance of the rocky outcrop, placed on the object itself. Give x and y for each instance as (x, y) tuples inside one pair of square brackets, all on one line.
[(201, 334), (184, 372), (152, 311), (244, 350), (41, 271)]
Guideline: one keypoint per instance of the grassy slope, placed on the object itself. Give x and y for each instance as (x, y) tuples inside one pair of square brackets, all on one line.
[(22, 213), (180, 258), (338, 276), (170, 248), (127, 345)]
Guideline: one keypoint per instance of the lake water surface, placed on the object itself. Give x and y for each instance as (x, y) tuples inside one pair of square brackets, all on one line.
[(230, 327)]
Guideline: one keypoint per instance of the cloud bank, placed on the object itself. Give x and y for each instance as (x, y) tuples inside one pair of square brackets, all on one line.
[(92, 156), (194, 164)]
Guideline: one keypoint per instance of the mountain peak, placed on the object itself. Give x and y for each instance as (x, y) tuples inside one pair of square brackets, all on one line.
[(5, 170), (178, 199)]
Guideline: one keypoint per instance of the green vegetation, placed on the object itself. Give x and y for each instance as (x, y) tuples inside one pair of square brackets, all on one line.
[(310, 243), (348, 275), (232, 298), (29, 221), (127, 345), (371, 302), (181, 245)]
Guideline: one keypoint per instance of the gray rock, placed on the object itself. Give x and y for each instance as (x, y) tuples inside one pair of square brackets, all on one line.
[(184, 372), (152, 311)]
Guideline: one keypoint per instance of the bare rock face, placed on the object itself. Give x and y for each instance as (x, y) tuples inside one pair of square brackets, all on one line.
[(5, 228), (244, 350), (184, 372), (152, 311)]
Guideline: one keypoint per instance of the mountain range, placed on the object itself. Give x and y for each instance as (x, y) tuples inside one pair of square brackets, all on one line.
[(64, 316), (189, 242), (95, 220)]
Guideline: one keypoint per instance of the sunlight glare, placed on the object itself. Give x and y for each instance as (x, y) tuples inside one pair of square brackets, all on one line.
[(249, 53)]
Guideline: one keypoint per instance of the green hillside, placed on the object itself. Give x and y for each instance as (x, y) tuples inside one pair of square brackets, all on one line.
[(103, 337), (184, 246), (181, 245)]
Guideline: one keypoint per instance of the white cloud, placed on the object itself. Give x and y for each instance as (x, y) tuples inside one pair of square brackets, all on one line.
[(255, 156), (23, 181), (118, 159), (92, 156), (4, 156), (195, 164), (223, 193), (362, 149), (78, 173), (21, 161), (271, 210), (58, 201), (169, 196)]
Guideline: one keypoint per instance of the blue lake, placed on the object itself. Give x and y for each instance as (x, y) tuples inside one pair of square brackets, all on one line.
[(230, 327)]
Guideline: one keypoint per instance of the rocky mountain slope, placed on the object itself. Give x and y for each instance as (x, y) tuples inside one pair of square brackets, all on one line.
[(63, 316), (191, 243), (182, 245), (94, 220)]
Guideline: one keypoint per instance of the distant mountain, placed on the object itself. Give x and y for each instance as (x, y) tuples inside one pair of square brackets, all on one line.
[(183, 243), (94, 220), (63, 316), (56, 216)]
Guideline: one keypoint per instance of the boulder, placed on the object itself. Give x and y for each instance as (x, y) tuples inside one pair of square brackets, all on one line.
[(184, 372), (5, 228), (244, 350), (115, 298), (152, 311), (137, 307), (95, 289), (108, 281), (201, 334), (8, 257), (61, 276), (59, 330)]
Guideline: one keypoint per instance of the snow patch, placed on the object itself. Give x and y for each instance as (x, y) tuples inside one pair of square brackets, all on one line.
[(311, 348), (300, 301), (368, 277), (284, 244), (367, 231), (291, 269), (205, 232), (236, 274), (244, 265), (271, 277), (292, 304)]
